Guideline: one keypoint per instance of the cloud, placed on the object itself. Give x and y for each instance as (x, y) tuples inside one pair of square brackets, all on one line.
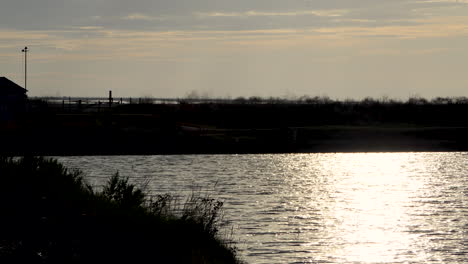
[(252, 13), (428, 28), (93, 42), (143, 17), (165, 15), (442, 1), (89, 28)]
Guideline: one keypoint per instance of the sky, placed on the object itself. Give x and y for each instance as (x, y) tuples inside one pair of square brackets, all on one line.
[(344, 49)]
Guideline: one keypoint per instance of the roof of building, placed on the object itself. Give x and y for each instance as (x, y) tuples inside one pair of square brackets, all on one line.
[(9, 87)]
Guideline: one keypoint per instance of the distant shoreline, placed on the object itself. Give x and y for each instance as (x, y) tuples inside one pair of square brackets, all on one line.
[(57, 129), (306, 140)]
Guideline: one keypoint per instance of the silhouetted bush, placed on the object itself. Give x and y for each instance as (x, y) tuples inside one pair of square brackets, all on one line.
[(121, 192), (50, 215)]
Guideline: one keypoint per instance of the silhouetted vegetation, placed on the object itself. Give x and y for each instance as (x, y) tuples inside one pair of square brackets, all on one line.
[(240, 125), (256, 112), (50, 215)]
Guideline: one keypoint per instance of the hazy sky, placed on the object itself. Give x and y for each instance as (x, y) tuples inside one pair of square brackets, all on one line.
[(221, 48)]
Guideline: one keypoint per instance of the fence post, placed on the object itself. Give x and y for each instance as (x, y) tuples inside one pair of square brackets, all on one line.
[(110, 99)]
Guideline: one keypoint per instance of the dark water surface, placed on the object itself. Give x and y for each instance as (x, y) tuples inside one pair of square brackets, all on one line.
[(319, 208)]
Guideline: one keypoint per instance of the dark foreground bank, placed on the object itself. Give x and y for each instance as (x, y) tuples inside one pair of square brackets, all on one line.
[(50, 215)]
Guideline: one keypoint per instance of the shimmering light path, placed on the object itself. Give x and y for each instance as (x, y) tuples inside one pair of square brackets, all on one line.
[(321, 208)]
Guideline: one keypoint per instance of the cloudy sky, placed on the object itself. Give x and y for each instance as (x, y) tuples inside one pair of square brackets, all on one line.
[(225, 48)]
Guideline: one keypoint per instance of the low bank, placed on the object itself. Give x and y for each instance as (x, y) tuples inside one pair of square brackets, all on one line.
[(58, 141), (50, 129)]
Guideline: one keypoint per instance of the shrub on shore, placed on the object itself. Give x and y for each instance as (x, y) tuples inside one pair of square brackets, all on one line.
[(50, 215)]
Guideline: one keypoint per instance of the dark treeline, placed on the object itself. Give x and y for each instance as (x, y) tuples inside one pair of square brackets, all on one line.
[(257, 112), (308, 124), (277, 112), (326, 100)]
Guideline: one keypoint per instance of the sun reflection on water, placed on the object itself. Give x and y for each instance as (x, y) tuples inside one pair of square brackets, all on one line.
[(372, 198), (376, 191)]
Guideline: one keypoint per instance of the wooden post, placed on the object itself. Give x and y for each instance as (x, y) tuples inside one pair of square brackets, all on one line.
[(110, 99)]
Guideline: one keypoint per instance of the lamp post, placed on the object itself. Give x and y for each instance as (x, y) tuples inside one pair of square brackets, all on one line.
[(25, 51)]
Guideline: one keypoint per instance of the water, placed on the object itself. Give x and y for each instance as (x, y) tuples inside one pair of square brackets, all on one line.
[(320, 208)]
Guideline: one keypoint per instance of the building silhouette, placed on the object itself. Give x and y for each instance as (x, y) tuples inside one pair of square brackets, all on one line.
[(13, 100)]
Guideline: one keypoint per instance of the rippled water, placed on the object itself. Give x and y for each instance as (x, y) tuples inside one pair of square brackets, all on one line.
[(320, 208)]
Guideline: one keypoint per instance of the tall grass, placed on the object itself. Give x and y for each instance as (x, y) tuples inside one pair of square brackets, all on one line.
[(49, 214)]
